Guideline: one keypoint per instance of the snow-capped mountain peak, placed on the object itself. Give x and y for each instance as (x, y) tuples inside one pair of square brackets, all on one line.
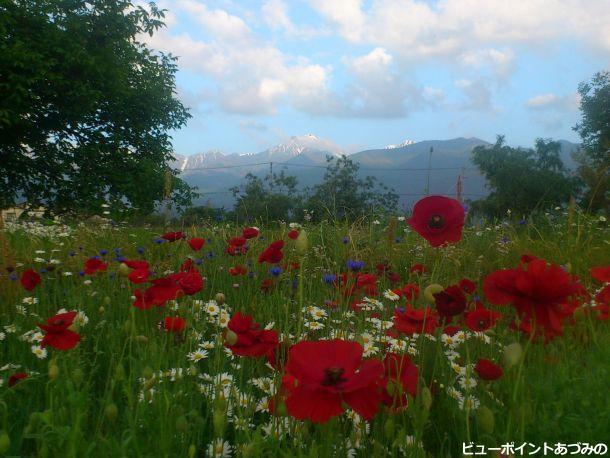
[(405, 143)]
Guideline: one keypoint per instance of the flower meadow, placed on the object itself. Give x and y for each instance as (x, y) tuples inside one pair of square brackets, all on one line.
[(398, 336)]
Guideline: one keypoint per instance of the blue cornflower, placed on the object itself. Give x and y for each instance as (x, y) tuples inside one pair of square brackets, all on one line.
[(329, 278), (103, 252), (345, 240), (13, 276), (275, 271), (140, 250), (354, 266)]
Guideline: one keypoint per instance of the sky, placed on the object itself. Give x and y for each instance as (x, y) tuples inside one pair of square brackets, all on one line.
[(368, 73)]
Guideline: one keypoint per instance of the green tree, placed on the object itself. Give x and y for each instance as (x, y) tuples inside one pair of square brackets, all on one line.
[(523, 180), (85, 107), (274, 197), (594, 129), (344, 195)]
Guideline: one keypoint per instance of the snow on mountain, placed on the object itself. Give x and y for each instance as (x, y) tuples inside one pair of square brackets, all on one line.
[(405, 143), (296, 145)]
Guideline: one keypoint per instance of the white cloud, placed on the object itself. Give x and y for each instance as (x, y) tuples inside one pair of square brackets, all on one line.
[(413, 29), (346, 15), (276, 15), (251, 76), (554, 102)]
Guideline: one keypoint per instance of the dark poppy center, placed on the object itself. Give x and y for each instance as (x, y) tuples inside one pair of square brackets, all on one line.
[(482, 323), (58, 322), (332, 376), (436, 222)]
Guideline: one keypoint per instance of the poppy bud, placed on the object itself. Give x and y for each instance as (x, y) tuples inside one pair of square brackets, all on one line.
[(512, 354), (426, 397), (192, 451), (219, 298), (127, 327), (124, 269), (101, 310), (149, 384), (78, 375), (182, 423), (302, 244), (431, 290), (218, 421), (107, 301), (111, 412), (119, 372), (141, 339), (230, 337), (193, 370), (5, 442), (147, 373), (485, 419), (388, 427), (53, 371)]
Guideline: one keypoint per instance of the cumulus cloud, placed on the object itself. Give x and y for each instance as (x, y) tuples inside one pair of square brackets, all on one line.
[(554, 102), (419, 27), (276, 15), (252, 76)]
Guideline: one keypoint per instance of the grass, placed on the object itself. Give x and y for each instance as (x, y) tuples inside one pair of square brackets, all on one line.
[(129, 388)]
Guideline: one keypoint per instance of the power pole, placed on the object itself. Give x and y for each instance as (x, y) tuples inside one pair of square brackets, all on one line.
[(271, 175), (427, 191)]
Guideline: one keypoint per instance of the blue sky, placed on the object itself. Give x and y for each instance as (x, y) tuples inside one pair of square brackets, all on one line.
[(365, 74)]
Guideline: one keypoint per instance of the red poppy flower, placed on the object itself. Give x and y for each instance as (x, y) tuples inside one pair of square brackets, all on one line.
[(173, 236), (187, 265), (57, 334), (415, 321), (537, 291), (601, 273), (139, 275), (488, 370), (251, 339), (401, 377), (468, 286), (410, 291), (161, 291), (527, 258), (17, 377), (237, 241), (136, 264), (233, 250), (266, 285), (329, 374), (603, 304), (174, 324), (451, 330), (238, 270), (450, 302), (93, 265), (190, 282), (418, 269), (196, 243), (393, 277), (481, 319), (250, 232), (30, 279), (438, 219), (273, 253), (293, 234)]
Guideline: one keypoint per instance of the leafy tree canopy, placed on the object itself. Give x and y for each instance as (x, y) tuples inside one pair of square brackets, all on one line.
[(272, 198), (523, 180), (85, 106), (594, 129), (344, 195)]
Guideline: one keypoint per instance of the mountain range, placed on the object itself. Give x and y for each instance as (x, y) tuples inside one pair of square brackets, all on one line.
[(403, 167)]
